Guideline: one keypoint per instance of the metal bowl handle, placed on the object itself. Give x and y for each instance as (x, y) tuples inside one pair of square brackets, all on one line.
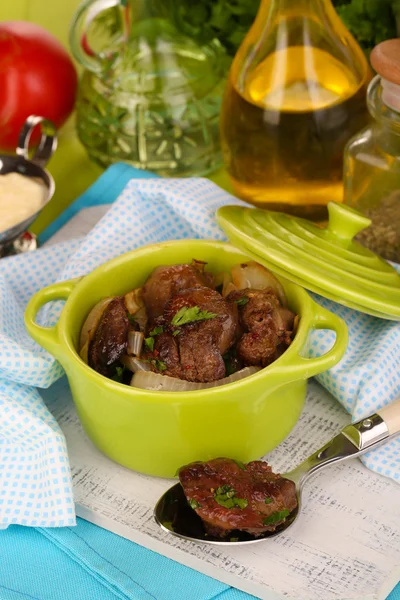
[(48, 141)]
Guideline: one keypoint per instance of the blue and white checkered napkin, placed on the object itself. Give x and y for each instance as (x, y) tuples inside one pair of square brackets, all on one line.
[(35, 485)]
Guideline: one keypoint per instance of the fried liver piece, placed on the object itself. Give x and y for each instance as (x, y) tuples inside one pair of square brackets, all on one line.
[(229, 495), (193, 351), (110, 340), (267, 326), (166, 281)]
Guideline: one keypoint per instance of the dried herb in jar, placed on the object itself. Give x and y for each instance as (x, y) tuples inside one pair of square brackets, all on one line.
[(383, 235)]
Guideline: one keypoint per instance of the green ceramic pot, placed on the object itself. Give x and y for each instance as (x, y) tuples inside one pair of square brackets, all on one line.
[(157, 432)]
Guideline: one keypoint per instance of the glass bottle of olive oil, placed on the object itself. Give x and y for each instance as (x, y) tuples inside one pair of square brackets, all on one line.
[(295, 95)]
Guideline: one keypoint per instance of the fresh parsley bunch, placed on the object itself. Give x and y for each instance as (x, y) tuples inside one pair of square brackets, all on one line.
[(370, 21)]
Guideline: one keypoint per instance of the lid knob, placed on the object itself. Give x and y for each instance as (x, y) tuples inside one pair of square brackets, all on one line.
[(385, 59), (345, 222)]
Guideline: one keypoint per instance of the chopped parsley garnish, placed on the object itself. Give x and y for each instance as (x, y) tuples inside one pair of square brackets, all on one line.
[(268, 500), (131, 318), (194, 504), (157, 330), (119, 373), (176, 332), (226, 496), (159, 364), (231, 362), (149, 341), (242, 301), (279, 515), (240, 464), (189, 314)]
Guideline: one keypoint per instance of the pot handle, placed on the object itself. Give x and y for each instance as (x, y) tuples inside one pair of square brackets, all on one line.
[(47, 337), (308, 367)]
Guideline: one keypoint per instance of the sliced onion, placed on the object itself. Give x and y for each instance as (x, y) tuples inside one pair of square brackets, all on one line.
[(136, 307), (141, 318), (135, 342), (227, 285), (133, 300), (199, 265), (134, 364), (164, 383), (84, 352), (92, 321), (256, 276)]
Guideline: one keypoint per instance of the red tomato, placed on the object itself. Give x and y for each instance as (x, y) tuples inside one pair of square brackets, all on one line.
[(37, 76)]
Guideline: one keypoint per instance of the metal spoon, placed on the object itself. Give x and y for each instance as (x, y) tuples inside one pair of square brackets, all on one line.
[(174, 515)]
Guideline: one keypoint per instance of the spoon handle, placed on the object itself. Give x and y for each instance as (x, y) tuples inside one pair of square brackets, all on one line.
[(352, 441), (391, 415)]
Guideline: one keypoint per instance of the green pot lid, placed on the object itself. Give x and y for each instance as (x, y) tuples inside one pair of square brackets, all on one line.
[(326, 261)]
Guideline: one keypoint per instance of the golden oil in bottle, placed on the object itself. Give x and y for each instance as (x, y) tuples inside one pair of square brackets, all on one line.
[(285, 125)]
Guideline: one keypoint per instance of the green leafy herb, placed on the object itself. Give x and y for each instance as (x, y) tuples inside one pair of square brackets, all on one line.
[(157, 330), (240, 464), (131, 319), (370, 21), (225, 496), (242, 301), (119, 372), (176, 332), (149, 341), (268, 500), (226, 490), (159, 364), (189, 314), (232, 364), (279, 515), (194, 504)]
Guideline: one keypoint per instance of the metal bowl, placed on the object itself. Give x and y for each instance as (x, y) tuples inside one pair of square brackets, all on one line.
[(29, 167)]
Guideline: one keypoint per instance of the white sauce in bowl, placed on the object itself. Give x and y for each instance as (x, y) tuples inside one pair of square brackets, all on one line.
[(20, 197)]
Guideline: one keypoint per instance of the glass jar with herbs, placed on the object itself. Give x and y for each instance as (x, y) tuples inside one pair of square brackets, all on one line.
[(372, 157), (149, 94)]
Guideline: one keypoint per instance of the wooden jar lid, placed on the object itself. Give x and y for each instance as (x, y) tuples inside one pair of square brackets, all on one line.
[(385, 59)]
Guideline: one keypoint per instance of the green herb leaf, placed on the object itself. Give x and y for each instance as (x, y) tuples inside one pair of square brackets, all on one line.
[(176, 332), (131, 319), (119, 372), (189, 314), (240, 464), (240, 502), (231, 362), (149, 341), (224, 501), (225, 489), (159, 364), (268, 500), (225, 496), (242, 301), (279, 515), (193, 503), (157, 330)]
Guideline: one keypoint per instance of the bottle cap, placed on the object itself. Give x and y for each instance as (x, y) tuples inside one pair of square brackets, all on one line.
[(385, 59)]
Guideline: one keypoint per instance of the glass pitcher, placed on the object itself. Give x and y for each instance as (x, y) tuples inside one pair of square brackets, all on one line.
[(295, 95), (152, 96)]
